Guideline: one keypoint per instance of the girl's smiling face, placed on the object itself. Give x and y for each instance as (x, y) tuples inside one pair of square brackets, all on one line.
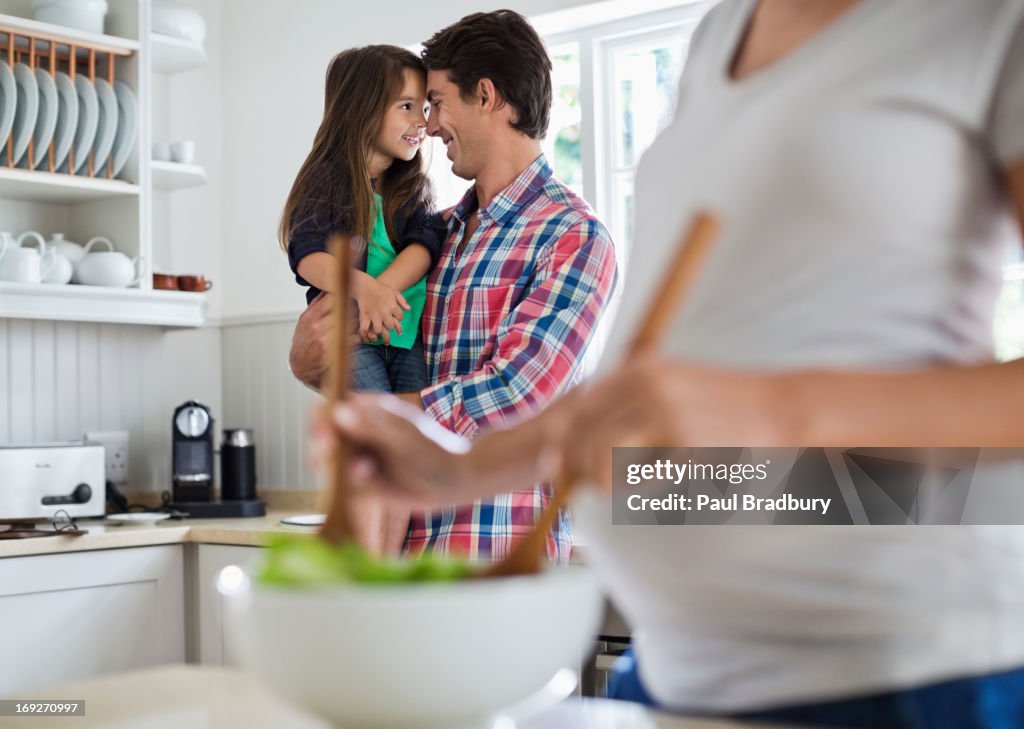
[(402, 130)]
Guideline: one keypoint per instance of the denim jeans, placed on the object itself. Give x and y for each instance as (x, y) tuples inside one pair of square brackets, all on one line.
[(383, 368), (994, 701)]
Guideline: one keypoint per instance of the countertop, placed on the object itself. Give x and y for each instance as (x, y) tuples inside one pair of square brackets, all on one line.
[(193, 697), (247, 532), (104, 535)]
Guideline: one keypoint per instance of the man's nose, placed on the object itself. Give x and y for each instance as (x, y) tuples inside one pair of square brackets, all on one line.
[(433, 128)]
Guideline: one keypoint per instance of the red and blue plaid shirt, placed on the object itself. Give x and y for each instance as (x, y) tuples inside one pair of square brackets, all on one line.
[(505, 326)]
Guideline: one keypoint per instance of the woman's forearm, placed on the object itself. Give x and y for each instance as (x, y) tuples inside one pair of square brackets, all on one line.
[(408, 267), (503, 460), (975, 406)]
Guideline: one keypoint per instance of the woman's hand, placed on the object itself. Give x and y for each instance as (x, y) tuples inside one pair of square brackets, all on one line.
[(380, 310), (653, 401), (397, 452)]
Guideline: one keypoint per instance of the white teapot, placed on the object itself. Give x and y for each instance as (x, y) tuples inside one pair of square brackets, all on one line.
[(56, 268), (72, 251), (107, 268), (19, 264)]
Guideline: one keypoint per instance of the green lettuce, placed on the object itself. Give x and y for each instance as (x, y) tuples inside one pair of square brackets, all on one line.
[(303, 560)]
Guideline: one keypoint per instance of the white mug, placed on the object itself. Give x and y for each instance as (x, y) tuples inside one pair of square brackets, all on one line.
[(184, 152), (23, 265)]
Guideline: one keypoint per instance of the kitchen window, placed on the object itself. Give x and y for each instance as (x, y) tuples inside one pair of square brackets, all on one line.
[(614, 87), (1009, 320), (614, 84)]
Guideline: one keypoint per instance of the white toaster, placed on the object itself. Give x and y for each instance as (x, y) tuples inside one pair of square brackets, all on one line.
[(36, 481)]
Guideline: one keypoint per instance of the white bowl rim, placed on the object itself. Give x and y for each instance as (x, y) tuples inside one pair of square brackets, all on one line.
[(434, 589)]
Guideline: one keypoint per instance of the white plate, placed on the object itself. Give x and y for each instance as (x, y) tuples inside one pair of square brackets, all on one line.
[(124, 140), (107, 127), (26, 110), (9, 102), (46, 120), (305, 520), (138, 517), (88, 118), (67, 120)]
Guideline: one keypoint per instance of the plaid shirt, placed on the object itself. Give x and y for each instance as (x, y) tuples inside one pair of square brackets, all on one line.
[(506, 323)]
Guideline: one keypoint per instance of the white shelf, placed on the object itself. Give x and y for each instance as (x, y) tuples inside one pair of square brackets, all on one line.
[(67, 36), (176, 176), (174, 55), (52, 187), (72, 302)]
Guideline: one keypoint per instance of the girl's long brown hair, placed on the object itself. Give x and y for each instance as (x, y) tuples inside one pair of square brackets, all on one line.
[(333, 183)]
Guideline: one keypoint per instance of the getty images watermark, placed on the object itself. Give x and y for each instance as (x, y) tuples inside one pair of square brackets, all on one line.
[(818, 486)]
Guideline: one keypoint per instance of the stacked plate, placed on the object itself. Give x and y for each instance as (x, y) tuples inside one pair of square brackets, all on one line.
[(78, 117)]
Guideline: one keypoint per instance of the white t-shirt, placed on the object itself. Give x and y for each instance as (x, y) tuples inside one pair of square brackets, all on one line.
[(864, 224)]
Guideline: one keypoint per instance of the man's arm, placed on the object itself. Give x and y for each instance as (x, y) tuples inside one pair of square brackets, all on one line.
[(307, 357), (539, 343)]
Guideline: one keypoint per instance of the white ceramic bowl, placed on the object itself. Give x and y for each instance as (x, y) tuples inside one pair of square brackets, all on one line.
[(413, 655), (81, 14), (177, 20)]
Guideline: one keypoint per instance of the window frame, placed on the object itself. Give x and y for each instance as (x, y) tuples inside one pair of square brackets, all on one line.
[(597, 43)]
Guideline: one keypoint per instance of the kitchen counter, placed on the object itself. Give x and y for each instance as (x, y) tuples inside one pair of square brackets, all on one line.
[(104, 535), (246, 532), (192, 697)]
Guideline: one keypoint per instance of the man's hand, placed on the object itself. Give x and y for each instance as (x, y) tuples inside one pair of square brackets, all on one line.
[(397, 452), (380, 310), (308, 357)]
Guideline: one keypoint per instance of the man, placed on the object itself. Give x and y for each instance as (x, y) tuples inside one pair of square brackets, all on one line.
[(522, 280)]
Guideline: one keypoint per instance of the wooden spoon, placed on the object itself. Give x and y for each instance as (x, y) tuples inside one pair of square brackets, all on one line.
[(337, 526), (528, 556)]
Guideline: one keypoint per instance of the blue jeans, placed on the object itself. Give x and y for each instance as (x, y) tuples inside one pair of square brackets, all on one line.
[(383, 368), (995, 701)]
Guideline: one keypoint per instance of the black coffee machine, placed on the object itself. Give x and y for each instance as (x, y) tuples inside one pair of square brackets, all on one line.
[(192, 468)]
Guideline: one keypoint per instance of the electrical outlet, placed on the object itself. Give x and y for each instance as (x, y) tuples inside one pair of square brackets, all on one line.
[(115, 447)]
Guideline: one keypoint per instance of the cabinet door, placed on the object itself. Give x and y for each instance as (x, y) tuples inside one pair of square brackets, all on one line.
[(66, 617), (210, 646)]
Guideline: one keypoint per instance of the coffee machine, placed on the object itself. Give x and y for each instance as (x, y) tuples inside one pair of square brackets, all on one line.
[(192, 468)]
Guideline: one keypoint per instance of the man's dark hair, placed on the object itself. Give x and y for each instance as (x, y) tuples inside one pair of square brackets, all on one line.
[(503, 47)]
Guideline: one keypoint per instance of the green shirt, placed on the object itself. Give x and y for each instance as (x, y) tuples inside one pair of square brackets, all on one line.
[(379, 255)]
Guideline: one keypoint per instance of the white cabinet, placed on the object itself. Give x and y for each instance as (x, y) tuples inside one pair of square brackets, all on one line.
[(84, 205), (208, 645), (71, 616)]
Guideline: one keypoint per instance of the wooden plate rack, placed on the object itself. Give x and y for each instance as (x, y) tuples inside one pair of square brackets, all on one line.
[(53, 53)]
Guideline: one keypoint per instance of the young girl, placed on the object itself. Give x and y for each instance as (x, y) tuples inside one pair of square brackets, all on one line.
[(364, 183)]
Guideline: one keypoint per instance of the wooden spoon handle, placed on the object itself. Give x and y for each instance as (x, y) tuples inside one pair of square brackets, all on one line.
[(337, 526), (528, 554)]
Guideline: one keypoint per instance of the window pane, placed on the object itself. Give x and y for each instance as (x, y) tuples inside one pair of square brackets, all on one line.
[(644, 86), (1009, 322), (622, 213), (562, 143)]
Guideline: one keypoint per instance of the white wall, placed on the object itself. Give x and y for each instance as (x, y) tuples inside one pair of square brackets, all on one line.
[(275, 56)]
